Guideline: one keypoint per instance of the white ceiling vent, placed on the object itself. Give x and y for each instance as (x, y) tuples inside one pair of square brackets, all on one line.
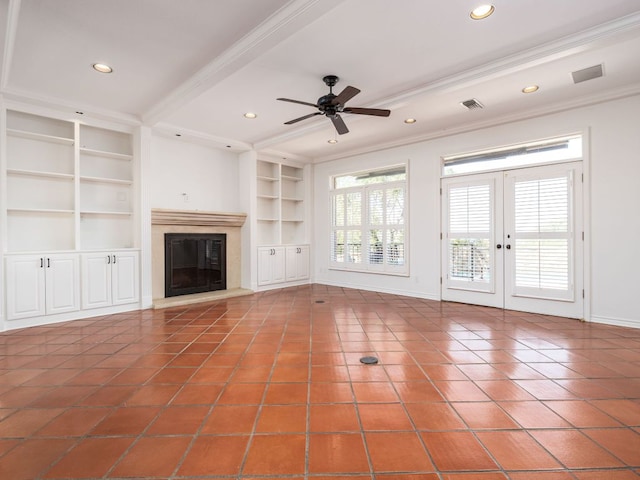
[(588, 73), (472, 104)]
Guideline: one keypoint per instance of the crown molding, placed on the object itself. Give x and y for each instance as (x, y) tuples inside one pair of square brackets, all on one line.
[(534, 113)]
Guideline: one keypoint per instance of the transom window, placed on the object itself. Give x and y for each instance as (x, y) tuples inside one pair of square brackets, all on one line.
[(552, 150), (369, 221)]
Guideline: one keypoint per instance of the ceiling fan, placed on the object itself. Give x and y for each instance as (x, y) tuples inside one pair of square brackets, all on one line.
[(331, 105)]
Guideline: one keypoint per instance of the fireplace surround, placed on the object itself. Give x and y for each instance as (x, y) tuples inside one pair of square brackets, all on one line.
[(195, 222)]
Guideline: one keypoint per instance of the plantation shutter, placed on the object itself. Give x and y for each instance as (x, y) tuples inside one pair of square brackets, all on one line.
[(543, 237), (469, 235)]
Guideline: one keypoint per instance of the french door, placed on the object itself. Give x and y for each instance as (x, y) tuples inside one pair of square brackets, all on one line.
[(513, 239)]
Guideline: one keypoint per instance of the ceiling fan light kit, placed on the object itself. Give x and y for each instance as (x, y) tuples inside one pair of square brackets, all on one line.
[(331, 105)]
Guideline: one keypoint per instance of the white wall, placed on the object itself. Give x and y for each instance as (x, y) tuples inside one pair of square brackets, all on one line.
[(613, 224), (208, 176)]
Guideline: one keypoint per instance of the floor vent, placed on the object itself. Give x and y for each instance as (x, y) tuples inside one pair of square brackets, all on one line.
[(472, 104), (588, 73)]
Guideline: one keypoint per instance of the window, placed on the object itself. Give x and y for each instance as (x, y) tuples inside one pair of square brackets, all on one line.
[(369, 221), (552, 150)]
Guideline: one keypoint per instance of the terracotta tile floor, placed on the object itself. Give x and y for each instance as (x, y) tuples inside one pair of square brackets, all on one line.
[(270, 386)]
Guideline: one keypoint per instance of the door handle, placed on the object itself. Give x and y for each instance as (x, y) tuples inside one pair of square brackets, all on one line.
[(114, 259), (48, 263), (41, 262), (108, 259), (498, 246), (508, 247)]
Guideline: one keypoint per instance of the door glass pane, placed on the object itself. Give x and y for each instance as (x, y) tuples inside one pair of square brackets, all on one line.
[(542, 263), (542, 205), (469, 259), (470, 223), (543, 237)]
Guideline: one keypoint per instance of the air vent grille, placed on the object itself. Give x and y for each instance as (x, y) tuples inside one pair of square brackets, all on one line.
[(472, 104), (588, 73)]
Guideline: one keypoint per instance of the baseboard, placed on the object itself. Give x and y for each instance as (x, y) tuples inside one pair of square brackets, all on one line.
[(393, 291), (619, 322)]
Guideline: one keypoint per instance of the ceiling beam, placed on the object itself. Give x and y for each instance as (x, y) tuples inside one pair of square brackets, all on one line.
[(13, 12), (280, 26)]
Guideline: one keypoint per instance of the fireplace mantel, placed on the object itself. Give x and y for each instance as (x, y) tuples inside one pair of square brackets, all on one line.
[(197, 218)]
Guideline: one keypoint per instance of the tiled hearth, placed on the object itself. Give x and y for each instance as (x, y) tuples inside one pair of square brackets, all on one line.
[(188, 221)]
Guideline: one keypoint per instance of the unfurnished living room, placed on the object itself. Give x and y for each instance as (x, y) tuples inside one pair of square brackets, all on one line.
[(319, 239)]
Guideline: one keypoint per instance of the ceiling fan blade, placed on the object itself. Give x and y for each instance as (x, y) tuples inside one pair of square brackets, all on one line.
[(378, 112), (345, 95), (296, 120), (297, 101), (341, 128)]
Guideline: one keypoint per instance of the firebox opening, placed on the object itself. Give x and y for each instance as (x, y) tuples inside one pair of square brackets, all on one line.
[(194, 263)]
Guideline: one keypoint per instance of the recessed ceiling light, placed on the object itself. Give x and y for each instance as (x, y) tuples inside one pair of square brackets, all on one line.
[(483, 11), (410, 120), (102, 68), (332, 141), (530, 89), (250, 115)]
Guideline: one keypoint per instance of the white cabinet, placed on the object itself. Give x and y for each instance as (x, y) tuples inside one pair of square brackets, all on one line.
[(297, 263), (271, 265), (283, 264), (109, 278), (42, 285)]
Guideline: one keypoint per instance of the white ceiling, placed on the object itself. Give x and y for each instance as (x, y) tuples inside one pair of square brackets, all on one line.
[(194, 67)]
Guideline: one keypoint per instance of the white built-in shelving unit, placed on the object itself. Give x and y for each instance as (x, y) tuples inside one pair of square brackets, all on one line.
[(281, 219), (69, 191)]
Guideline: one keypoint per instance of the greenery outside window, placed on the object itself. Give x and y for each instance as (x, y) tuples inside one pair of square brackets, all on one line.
[(369, 221)]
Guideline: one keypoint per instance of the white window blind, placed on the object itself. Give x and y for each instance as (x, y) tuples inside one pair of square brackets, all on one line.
[(543, 236), (470, 223), (369, 223)]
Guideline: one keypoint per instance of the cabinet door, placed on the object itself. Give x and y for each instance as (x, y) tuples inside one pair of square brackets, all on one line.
[(124, 278), (62, 273), (96, 280), (291, 264), (264, 265), (302, 263), (277, 266), (271, 265), (297, 263), (25, 286)]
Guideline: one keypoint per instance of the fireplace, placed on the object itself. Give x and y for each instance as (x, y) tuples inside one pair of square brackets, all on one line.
[(189, 222), (194, 263)]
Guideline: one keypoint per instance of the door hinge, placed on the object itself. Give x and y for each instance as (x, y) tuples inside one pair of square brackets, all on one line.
[(441, 236), (582, 177), (440, 280), (440, 190), (582, 293), (583, 236)]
